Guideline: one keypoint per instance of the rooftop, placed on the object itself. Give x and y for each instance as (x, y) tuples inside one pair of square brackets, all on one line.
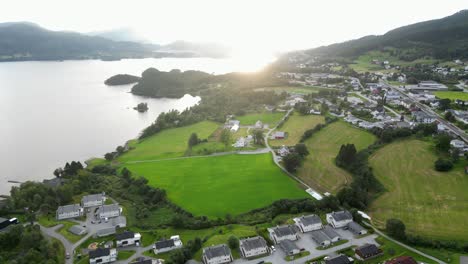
[(68, 208), (288, 246), (253, 243), (216, 251), (92, 197), (368, 249), (341, 215), (286, 230), (310, 220), (100, 252), (164, 244), (340, 259), (125, 235)]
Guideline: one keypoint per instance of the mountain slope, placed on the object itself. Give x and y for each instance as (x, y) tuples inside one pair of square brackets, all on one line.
[(27, 41), (445, 38)]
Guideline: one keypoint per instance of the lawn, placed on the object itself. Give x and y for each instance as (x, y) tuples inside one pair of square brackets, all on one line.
[(295, 89), (125, 254), (319, 169), (430, 203), (219, 185), (168, 143), (296, 125), (270, 118), (392, 250), (452, 95)]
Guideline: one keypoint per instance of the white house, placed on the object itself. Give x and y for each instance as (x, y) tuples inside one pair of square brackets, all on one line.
[(308, 223), (69, 211), (283, 151), (109, 211), (240, 143), (339, 219), (127, 239), (102, 255), (280, 233), (258, 124), (235, 128), (458, 144), (93, 200), (422, 117), (217, 254), (167, 245), (252, 247)]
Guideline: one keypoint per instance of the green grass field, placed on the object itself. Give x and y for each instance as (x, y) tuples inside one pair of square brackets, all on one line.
[(295, 89), (168, 143), (452, 95), (296, 126), (266, 117), (319, 169), (216, 186), (364, 62), (430, 203)]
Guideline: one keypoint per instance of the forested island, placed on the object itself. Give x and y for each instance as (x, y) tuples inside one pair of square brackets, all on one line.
[(121, 79)]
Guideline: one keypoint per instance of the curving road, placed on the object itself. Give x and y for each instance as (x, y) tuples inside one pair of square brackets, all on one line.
[(404, 245)]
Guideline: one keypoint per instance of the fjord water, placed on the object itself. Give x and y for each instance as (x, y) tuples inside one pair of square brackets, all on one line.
[(54, 112)]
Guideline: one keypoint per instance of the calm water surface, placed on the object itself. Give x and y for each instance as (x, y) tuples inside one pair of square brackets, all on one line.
[(54, 112)]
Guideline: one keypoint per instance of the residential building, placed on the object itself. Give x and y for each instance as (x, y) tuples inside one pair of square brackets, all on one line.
[(240, 143), (93, 200), (402, 260), (368, 251), (340, 259), (459, 115), (429, 85), (279, 135), (235, 128), (127, 239), (167, 245), (78, 230), (217, 254), (289, 247), (308, 223), (279, 233), (331, 233), (148, 261), (258, 124), (320, 238), (357, 228), (283, 151), (339, 219), (253, 247), (119, 221), (102, 255), (422, 117), (109, 211), (106, 231), (69, 211), (458, 144)]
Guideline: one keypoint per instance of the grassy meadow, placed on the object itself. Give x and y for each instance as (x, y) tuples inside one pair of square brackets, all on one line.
[(430, 203), (319, 169), (220, 185), (295, 89), (296, 126), (452, 95), (168, 143)]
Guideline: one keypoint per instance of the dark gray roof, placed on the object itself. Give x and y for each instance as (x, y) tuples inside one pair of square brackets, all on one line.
[(368, 249), (146, 261), (355, 227), (340, 259), (68, 208), (92, 197), (3, 219), (100, 252), (319, 236), (330, 232), (216, 251), (164, 244), (253, 243), (77, 229), (288, 246), (109, 208), (342, 215), (125, 235), (286, 230), (310, 220)]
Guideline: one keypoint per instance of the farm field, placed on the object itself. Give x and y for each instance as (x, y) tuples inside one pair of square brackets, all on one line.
[(167, 143), (219, 185), (319, 169), (430, 203), (452, 95), (296, 126), (266, 117)]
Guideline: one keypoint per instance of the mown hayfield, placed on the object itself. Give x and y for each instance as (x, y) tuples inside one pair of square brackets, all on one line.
[(451, 95), (219, 185), (319, 169), (296, 126), (430, 203), (266, 117), (168, 143)]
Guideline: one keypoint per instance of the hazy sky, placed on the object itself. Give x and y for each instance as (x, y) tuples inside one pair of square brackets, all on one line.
[(262, 25)]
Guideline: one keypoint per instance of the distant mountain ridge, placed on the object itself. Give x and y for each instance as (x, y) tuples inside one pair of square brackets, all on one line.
[(25, 41), (445, 38)]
